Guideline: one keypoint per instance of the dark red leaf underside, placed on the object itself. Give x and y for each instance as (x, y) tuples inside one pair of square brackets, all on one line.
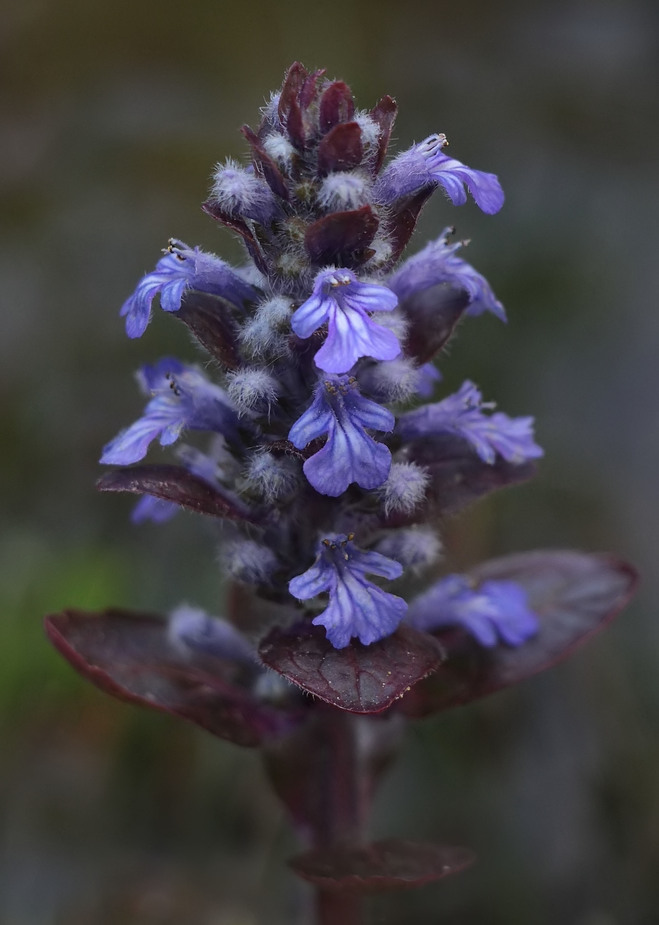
[(433, 314), (209, 319), (341, 148), (131, 657), (341, 237), (241, 227), (574, 596), (271, 172), (402, 221), (393, 864), (176, 484), (290, 112), (309, 89), (458, 476), (336, 105), (360, 679), (384, 113)]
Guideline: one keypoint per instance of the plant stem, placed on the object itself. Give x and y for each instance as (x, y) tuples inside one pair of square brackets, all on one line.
[(343, 788), (325, 773), (345, 791), (338, 908)]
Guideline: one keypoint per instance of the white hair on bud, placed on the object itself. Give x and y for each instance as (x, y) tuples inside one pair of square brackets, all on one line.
[(275, 478), (262, 334), (395, 321), (235, 188), (416, 548), (252, 390), (279, 148), (291, 264), (383, 252), (391, 380), (249, 561), (272, 687), (345, 189), (192, 628), (369, 128), (277, 311), (252, 275), (259, 339), (270, 110), (404, 489)]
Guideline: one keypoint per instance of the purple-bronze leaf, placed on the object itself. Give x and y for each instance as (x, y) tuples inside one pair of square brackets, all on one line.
[(336, 105), (309, 89), (384, 113), (178, 485), (393, 864), (433, 314), (358, 678), (290, 112), (341, 148), (132, 657), (341, 238), (209, 319), (241, 227), (271, 173), (573, 595), (402, 220)]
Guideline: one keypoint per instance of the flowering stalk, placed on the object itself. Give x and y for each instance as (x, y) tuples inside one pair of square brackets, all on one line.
[(331, 486)]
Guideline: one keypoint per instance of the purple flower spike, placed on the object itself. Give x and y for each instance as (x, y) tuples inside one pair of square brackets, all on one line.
[(496, 611), (425, 163), (350, 454), (339, 299), (437, 263), (182, 397), (462, 414), (182, 268), (357, 607)]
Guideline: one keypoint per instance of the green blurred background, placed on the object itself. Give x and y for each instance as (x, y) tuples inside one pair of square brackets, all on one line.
[(113, 116)]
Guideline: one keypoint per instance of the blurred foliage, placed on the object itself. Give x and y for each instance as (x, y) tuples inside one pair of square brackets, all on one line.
[(112, 117)]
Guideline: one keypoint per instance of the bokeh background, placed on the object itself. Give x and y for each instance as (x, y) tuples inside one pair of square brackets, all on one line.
[(112, 118)]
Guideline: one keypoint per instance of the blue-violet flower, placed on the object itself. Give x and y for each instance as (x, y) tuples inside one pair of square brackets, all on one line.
[(182, 268), (182, 398), (492, 612), (339, 299), (437, 263), (350, 454), (462, 414), (357, 607), (425, 163)]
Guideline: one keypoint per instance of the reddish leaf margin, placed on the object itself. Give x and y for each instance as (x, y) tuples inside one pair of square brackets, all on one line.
[(392, 864), (131, 657), (574, 596), (359, 679)]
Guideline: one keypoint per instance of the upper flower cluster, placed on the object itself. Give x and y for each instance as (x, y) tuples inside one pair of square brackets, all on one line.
[(320, 340)]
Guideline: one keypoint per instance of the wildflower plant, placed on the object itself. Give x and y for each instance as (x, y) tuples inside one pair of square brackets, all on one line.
[(323, 445)]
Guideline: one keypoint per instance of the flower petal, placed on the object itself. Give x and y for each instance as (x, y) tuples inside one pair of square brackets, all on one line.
[(353, 335), (310, 315)]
